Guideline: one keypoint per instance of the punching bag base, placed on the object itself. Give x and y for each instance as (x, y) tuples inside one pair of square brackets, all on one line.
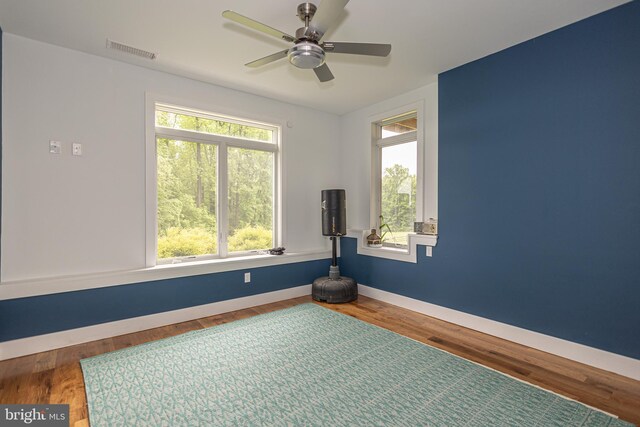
[(334, 291)]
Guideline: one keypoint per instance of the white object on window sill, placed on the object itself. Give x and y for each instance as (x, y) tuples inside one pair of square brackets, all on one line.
[(409, 254)]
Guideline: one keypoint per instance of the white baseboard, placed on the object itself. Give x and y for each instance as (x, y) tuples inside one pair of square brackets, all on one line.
[(611, 362), (36, 344)]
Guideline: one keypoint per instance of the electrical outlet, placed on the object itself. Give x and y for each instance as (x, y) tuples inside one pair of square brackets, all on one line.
[(76, 149), (247, 277)]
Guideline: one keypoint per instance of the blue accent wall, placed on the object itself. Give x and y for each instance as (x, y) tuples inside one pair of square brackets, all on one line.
[(25, 317), (539, 189)]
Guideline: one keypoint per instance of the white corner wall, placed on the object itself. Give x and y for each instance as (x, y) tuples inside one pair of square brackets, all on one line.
[(356, 153), (64, 215)]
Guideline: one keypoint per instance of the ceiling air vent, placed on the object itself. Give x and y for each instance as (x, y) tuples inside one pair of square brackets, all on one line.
[(130, 50)]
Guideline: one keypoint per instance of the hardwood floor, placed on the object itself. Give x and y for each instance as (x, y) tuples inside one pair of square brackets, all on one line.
[(55, 376)]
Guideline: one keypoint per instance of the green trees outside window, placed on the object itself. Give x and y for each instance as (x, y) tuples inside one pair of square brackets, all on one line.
[(188, 180), (398, 203), (398, 191), (250, 199), (187, 199)]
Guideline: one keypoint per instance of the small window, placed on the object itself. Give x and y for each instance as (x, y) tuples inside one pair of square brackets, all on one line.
[(177, 119), (396, 177), (399, 126), (215, 184)]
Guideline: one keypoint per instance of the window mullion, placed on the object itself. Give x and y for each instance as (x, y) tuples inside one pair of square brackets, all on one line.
[(223, 201), (250, 144), (186, 135), (397, 139)]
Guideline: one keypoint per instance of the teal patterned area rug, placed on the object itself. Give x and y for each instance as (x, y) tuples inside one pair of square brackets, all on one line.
[(310, 366)]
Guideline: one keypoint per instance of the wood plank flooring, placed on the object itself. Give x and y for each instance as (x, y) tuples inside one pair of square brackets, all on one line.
[(55, 376)]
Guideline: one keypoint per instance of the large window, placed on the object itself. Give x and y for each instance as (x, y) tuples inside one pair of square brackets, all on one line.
[(396, 177), (216, 185)]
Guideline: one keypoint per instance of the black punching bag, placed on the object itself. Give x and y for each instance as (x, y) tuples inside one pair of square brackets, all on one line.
[(334, 213), (334, 288)]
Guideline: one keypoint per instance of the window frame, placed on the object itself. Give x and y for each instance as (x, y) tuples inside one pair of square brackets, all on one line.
[(378, 143), (153, 133)]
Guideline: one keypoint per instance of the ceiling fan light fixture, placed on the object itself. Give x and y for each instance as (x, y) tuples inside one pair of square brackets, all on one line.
[(306, 55)]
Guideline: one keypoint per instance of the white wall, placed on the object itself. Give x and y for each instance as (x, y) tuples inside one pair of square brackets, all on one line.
[(356, 153), (65, 215)]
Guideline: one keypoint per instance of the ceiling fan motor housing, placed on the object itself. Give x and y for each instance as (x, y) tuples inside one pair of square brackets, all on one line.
[(306, 54)]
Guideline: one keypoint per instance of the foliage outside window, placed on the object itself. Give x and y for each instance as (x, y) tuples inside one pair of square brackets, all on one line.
[(396, 177), (216, 185)]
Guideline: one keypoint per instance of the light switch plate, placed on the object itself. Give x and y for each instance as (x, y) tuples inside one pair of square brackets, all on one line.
[(55, 147)]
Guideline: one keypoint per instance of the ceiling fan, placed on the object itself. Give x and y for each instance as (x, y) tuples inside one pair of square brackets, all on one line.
[(308, 51)]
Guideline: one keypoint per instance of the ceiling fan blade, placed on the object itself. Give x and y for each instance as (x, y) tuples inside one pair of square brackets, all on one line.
[(267, 59), (372, 49), (248, 22), (325, 17), (323, 73)]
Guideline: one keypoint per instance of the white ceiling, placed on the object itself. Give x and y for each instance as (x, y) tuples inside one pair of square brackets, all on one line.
[(192, 39)]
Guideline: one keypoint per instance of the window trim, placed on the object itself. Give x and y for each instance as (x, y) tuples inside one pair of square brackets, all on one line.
[(152, 132), (377, 143)]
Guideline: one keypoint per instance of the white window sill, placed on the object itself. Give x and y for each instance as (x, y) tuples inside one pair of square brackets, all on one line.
[(410, 254), (54, 285), (213, 262)]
